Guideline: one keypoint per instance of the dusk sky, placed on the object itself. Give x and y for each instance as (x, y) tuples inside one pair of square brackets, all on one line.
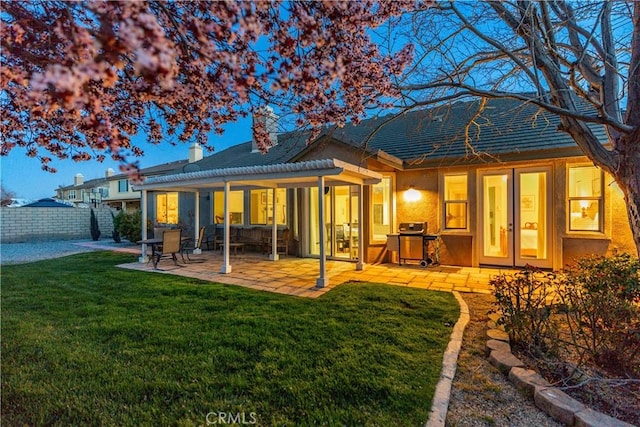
[(24, 177)]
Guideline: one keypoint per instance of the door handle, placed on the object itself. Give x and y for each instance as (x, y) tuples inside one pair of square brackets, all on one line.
[(510, 227)]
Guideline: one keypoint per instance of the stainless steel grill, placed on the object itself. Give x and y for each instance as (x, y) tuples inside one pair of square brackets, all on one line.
[(413, 243)]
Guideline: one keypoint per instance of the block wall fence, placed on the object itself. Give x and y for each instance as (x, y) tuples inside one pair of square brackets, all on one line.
[(42, 224)]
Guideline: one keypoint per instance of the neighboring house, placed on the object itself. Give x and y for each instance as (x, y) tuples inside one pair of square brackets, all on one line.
[(116, 191), (122, 196), (48, 203), (500, 187), (84, 193)]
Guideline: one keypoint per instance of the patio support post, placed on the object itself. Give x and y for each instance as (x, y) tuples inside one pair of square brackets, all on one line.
[(226, 267), (322, 281), (143, 207), (359, 263), (196, 232), (274, 229)]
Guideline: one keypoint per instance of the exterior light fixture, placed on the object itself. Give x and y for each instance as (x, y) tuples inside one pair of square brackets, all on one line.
[(412, 195)]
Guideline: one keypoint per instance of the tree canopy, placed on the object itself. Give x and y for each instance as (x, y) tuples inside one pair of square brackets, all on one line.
[(80, 79)]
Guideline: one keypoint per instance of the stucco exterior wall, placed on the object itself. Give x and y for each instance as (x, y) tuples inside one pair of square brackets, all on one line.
[(42, 224)]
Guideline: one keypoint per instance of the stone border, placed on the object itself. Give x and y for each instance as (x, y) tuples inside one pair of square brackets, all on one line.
[(442, 394), (551, 400)]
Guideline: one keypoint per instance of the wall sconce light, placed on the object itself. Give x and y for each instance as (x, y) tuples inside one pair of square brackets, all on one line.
[(412, 195)]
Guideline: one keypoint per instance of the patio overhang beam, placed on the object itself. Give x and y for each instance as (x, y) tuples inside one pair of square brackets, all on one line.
[(302, 174)]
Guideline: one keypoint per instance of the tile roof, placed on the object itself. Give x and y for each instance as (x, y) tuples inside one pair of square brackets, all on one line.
[(446, 134), (505, 126)]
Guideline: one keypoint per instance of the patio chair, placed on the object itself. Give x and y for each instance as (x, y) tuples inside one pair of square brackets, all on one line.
[(171, 243), (282, 243), (190, 245)]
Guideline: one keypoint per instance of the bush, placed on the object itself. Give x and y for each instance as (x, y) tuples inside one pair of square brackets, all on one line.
[(129, 224), (95, 230), (603, 296), (116, 225), (592, 310), (525, 300)]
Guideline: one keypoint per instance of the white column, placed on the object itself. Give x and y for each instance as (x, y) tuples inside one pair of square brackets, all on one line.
[(360, 263), (274, 229), (196, 232), (322, 280), (226, 267), (143, 208)]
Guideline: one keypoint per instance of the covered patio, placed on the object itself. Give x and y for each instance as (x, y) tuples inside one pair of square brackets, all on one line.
[(314, 173), (297, 276)]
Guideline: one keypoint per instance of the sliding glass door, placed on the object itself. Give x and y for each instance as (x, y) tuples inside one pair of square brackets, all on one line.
[(341, 221)]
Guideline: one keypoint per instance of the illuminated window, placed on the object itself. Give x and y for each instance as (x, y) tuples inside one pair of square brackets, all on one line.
[(167, 208), (236, 207), (455, 202), (262, 206), (381, 204), (585, 198)]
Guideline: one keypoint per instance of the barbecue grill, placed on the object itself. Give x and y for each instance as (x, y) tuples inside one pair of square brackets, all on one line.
[(413, 243)]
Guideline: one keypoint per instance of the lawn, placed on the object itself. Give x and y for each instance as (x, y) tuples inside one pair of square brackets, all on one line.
[(87, 343)]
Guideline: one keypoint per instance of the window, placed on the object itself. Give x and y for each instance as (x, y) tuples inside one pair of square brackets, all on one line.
[(455, 202), (167, 208), (236, 207), (262, 206), (381, 208), (585, 198), (123, 186), (72, 194)]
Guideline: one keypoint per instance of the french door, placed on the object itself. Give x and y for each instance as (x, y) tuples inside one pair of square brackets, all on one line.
[(515, 217)]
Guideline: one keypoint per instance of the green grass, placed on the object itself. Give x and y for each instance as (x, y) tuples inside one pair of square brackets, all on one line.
[(86, 343)]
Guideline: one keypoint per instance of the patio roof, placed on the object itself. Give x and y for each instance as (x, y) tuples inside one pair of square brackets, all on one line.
[(313, 173), (282, 175)]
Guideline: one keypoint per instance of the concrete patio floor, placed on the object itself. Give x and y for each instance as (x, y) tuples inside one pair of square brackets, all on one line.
[(297, 276)]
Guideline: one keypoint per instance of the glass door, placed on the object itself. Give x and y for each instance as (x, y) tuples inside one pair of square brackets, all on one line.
[(515, 217), (533, 217), (341, 222), (496, 214)]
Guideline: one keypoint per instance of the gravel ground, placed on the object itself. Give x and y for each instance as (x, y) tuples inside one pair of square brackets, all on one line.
[(19, 253), (480, 394)]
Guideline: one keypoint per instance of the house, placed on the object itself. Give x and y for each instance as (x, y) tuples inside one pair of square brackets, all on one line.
[(501, 186), (115, 190), (83, 193), (121, 194)]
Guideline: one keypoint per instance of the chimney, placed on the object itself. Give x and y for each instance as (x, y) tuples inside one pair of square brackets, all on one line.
[(109, 173), (78, 179), (266, 116), (195, 152)]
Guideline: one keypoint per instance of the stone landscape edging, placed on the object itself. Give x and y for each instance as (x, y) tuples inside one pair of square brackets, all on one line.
[(551, 400), (442, 394)]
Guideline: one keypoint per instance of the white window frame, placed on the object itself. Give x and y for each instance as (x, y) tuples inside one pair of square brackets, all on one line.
[(392, 204), (570, 198), (445, 202)]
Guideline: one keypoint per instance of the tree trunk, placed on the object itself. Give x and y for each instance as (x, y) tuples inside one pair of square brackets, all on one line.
[(628, 178)]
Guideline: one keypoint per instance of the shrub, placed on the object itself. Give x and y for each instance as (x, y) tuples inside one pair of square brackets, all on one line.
[(129, 224), (602, 295), (525, 300), (95, 230), (116, 224)]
